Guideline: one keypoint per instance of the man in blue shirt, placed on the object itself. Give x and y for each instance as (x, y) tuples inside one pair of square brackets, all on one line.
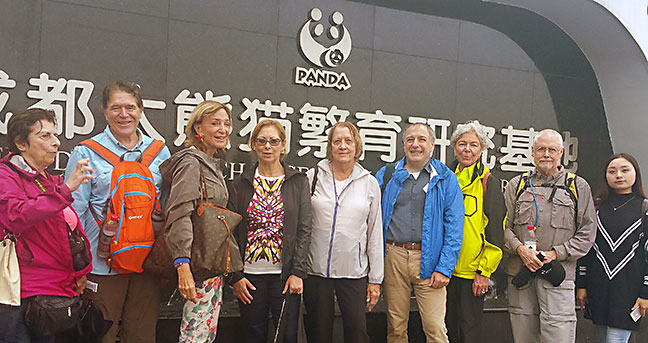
[(133, 298), (423, 216)]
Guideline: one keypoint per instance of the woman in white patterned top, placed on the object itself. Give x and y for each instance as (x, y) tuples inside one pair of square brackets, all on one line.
[(273, 237)]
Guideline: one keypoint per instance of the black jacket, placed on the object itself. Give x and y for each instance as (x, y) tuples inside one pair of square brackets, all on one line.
[(297, 220)]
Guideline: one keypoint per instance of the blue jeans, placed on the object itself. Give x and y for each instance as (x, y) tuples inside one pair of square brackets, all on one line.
[(13, 325), (608, 334)]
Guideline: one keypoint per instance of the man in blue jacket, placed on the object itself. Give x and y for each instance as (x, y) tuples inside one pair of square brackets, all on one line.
[(423, 216)]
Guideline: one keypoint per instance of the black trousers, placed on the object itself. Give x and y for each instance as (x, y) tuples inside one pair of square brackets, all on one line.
[(13, 328), (464, 312), (268, 297), (319, 298)]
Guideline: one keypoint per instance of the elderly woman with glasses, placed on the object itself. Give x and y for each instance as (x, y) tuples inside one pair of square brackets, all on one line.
[(35, 206), (273, 237)]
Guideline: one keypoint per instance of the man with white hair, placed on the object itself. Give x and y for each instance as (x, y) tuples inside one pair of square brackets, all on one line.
[(557, 207)]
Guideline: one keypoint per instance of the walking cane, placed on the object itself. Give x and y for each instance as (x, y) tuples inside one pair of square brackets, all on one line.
[(278, 337)]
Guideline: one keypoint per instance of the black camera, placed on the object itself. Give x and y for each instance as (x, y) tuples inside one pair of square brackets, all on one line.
[(553, 272)]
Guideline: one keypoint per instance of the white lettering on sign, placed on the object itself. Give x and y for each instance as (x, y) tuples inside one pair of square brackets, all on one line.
[(315, 124), (61, 163), (50, 91), (571, 152), (441, 139), (186, 103), (267, 109), (488, 161), (517, 152), (5, 82), (378, 132), (144, 121), (235, 169), (321, 78)]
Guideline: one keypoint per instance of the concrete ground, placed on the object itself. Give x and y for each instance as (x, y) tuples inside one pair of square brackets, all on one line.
[(496, 325)]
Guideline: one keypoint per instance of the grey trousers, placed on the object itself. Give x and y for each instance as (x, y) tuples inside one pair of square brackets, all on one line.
[(540, 312)]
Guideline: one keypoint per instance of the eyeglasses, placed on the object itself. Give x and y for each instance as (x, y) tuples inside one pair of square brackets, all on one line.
[(542, 150), (263, 141)]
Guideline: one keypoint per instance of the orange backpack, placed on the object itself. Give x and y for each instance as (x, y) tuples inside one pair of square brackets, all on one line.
[(132, 198)]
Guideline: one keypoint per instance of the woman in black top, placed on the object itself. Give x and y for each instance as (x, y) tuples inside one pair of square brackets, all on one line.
[(612, 279)]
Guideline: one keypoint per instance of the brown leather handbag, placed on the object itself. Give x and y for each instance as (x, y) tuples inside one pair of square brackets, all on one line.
[(214, 250), (214, 247)]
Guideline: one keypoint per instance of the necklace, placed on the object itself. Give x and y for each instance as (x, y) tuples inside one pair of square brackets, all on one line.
[(625, 203)]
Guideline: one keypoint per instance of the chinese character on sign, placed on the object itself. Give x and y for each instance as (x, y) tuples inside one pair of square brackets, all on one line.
[(486, 161), (315, 124), (517, 152), (61, 90), (571, 152), (147, 127), (5, 82), (378, 132), (186, 103), (267, 109), (441, 140)]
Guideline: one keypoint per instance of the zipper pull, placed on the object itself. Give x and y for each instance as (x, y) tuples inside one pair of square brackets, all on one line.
[(69, 311)]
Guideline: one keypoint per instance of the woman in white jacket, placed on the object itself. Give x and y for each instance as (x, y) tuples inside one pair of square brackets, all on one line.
[(346, 251)]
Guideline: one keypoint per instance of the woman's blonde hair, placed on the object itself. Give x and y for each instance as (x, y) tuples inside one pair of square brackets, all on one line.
[(268, 122), (202, 111), (354, 133)]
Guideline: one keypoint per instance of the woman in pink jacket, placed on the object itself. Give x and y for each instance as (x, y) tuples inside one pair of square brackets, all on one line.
[(35, 206)]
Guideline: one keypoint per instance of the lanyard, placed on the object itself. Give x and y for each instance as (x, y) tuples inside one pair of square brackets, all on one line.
[(535, 200), (335, 190), (335, 211)]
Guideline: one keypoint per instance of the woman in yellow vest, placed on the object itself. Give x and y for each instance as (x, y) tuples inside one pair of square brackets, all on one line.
[(483, 231)]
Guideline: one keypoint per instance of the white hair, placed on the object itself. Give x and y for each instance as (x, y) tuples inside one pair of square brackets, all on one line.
[(471, 126), (551, 133)]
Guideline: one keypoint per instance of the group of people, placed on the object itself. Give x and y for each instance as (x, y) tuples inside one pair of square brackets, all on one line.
[(335, 232)]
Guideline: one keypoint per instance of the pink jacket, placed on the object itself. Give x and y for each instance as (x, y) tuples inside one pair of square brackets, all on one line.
[(43, 248)]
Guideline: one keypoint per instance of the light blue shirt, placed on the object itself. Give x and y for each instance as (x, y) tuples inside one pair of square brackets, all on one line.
[(96, 191)]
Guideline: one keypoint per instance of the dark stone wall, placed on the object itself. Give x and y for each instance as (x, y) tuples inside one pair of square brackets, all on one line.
[(402, 63)]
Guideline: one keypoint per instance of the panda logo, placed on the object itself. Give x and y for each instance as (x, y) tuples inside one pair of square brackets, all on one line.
[(317, 53)]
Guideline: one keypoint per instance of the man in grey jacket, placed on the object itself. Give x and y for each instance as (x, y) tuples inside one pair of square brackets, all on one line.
[(565, 226)]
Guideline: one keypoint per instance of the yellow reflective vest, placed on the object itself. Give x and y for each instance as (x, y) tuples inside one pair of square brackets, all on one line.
[(482, 240)]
